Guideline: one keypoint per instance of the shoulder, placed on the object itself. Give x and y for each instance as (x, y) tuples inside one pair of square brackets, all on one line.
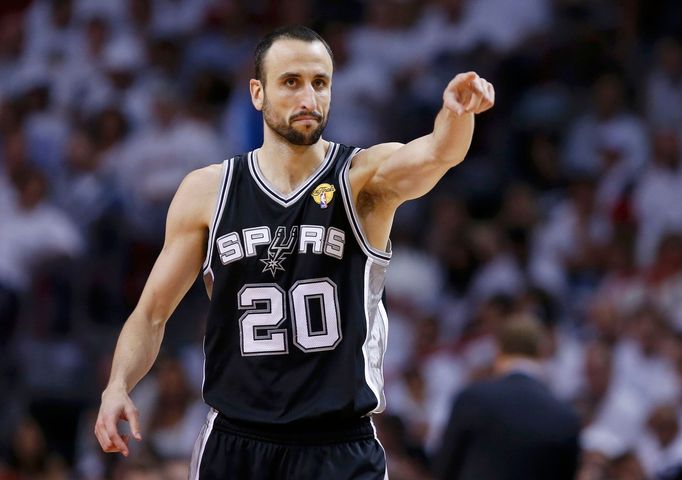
[(196, 196), (206, 177), (366, 163), (484, 392), (375, 155), (473, 395)]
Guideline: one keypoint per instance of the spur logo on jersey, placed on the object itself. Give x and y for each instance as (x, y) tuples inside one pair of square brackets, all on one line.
[(285, 242), (279, 249), (323, 194)]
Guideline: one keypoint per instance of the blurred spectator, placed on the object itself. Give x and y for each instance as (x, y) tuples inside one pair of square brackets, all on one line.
[(84, 184), (597, 377), (33, 232), (622, 288), (30, 457), (503, 26), (177, 18), (224, 44), (45, 127), (568, 247), (640, 361), (50, 31), (388, 38), (498, 270), (12, 47), (567, 204), (446, 27), (422, 395), (623, 383), (664, 279), (661, 446), (607, 127), (153, 163), (176, 414), (659, 187), (408, 461), (361, 91), (512, 426), (119, 83), (626, 467), (143, 467), (664, 86)]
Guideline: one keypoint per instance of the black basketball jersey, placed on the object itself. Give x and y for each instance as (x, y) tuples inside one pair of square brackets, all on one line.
[(296, 327)]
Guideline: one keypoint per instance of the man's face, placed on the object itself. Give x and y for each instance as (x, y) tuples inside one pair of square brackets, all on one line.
[(296, 91)]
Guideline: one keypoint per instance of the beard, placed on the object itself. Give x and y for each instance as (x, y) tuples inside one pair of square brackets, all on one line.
[(285, 130)]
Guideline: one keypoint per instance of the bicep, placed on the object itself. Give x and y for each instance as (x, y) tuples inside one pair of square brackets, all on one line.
[(173, 274), (406, 172), (179, 262)]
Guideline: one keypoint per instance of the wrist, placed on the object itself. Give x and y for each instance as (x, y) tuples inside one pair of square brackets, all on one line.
[(116, 385)]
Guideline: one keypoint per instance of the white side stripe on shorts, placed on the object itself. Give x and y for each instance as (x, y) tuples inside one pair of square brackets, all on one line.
[(200, 444)]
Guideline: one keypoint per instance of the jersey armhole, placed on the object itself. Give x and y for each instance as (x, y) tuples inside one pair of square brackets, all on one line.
[(375, 254), (221, 200)]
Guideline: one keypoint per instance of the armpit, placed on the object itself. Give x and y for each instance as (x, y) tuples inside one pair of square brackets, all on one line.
[(368, 201)]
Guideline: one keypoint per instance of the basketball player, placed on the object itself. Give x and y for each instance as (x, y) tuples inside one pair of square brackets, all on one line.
[(293, 243)]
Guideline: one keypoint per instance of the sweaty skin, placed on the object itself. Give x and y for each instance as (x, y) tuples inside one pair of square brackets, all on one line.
[(298, 84)]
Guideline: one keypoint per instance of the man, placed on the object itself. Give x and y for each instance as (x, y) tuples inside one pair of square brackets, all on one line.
[(512, 426), (297, 234)]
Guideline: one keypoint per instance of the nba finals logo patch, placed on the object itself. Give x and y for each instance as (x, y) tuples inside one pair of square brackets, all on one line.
[(323, 194)]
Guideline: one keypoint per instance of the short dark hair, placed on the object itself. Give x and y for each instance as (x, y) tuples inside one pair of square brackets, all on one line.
[(296, 32), (521, 335)]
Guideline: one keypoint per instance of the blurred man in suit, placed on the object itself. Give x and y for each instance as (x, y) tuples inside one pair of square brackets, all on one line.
[(512, 426)]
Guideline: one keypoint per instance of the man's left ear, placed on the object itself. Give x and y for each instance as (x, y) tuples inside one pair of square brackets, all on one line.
[(256, 89)]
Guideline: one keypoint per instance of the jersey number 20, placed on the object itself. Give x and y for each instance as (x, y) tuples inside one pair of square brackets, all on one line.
[(265, 304)]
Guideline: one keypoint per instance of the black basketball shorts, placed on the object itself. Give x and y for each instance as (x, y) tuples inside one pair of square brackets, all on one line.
[(230, 450)]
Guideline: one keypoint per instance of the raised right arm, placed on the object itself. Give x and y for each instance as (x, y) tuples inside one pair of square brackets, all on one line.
[(173, 274)]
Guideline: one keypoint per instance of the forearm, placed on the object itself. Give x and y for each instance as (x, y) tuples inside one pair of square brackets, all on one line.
[(451, 137), (136, 350)]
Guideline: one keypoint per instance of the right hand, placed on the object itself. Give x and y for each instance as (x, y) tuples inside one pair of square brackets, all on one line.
[(116, 405), (468, 93)]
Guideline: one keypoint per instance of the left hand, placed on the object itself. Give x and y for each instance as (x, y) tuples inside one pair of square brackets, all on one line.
[(468, 93)]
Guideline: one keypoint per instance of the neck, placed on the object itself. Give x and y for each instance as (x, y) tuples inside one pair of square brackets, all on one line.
[(286, 165), (506, 364)]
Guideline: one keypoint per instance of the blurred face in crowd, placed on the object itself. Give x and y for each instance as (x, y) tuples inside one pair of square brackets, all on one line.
[(649, 329), (28, 444), (670, 57), (598, 364), (608, 95), (98, 33), (143, 474), (663, 423), (666, 149), (11, 36), (295, 92), (582, 193), (61, 12), (626, 467)]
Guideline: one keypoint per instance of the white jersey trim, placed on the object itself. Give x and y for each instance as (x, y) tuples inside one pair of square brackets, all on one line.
[(374, 377), (293, 197), (218, 213), (380, 256)]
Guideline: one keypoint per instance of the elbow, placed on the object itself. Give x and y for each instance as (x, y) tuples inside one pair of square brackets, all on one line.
[(153, 316), (449, 153), (447, 158)]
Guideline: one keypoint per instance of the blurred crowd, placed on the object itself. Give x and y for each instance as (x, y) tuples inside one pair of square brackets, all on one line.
[(568, 207)]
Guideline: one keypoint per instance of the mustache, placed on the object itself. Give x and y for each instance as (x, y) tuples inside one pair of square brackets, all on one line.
[(315, 115)]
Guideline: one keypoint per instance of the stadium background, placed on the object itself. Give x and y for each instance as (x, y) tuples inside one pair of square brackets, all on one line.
[(569, 206)]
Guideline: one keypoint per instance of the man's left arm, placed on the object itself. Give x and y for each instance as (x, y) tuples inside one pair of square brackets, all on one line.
[(396, 173)]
